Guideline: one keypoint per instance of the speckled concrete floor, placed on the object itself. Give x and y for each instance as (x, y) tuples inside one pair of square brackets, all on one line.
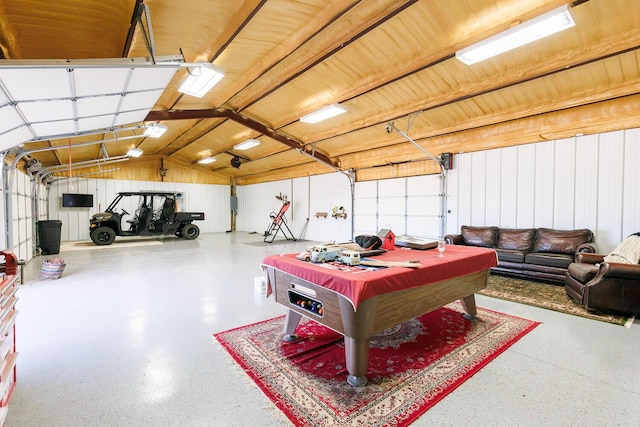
[(124, 339)]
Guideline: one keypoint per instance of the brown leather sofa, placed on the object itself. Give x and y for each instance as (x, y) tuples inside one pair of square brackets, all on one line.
[(535, 253), (606, 286)]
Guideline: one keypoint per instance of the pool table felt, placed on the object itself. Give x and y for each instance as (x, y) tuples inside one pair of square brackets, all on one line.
[(457, 261)]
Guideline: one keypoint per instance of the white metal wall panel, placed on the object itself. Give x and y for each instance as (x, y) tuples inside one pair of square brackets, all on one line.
[(543, 179), (509, 187), (478, 187), (464, 187), (610, 185), (22, 216), (24, 228), (426, 185), (365, 216), (586, 188), (452, 191), (364, 225), (248, 209), (18, 215), (299, 197), (631, 178), (494, 187), (395, 187), (257, 202), (303, 215), (16, 233), (526, 180), (329, 191), (405, 205), (418, 227), (365, 207), (392, 205), (421, 227), (366, 190), (393, 222), (423, 206), (563, 185)]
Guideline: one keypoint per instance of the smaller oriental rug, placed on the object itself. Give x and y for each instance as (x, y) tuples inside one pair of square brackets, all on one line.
[(411, 366), (545, 295)]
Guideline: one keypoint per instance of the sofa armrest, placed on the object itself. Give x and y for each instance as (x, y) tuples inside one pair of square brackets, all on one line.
[(586, 248), (454, 239), (619, 271), (589, 258)]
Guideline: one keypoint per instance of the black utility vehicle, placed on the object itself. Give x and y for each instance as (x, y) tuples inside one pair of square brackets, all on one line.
[(155, 214)]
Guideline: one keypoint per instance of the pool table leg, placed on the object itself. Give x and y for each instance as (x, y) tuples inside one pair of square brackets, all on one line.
[(357, 355), (469, 305), (290, 324)]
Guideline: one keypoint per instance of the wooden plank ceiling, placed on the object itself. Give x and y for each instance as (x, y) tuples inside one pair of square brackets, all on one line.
[(385, 61)]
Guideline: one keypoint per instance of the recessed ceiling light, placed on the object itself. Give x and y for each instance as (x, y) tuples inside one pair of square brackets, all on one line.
[(201, 79), (134, 152), (323, 113), (206, 160), (154, 130), (249, 143)]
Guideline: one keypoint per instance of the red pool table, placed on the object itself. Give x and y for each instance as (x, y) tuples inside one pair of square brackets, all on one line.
[(360, 303)]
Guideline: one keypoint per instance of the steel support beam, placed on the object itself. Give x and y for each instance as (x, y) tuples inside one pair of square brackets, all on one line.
[(224, 113)]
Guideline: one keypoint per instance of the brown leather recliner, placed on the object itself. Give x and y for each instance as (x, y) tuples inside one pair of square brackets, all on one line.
[(600, 285)]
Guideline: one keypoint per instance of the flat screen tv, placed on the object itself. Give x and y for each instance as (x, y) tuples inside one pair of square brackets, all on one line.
[(77, 200)]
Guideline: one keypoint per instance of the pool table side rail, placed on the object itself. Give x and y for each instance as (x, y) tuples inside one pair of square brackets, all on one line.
[(375, 314)]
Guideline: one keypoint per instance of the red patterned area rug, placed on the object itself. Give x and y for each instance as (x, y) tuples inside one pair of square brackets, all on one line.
[(411, 366)]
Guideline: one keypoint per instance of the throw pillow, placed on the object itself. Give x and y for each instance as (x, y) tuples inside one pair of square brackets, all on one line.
[(627, 252)]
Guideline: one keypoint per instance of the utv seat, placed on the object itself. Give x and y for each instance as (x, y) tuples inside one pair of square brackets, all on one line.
[(142, 218), (168, 209)]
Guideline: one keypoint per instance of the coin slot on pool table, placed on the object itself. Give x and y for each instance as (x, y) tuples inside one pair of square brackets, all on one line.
[(311, 305)]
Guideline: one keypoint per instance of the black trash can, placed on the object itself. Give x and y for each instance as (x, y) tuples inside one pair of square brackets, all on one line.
[(49, 236)]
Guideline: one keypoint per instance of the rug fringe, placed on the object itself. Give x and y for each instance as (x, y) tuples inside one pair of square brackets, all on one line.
[(249, 384), (278, 415), (630, 321)]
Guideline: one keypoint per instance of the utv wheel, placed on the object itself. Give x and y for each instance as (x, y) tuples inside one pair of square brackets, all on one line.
[(103, 236), (190, 231)]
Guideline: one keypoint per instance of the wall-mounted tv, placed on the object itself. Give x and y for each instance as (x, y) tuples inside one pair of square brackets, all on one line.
[(77, 200)]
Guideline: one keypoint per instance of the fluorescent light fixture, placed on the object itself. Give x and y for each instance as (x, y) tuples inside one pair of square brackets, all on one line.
[(206, 160), (249, 143), (154, 130), (201, 79), (535, 29), (323, 113), (134, 152)]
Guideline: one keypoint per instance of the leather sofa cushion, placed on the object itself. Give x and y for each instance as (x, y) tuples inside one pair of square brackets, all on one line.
[(479, 236), (560, 241), (582, 272), (509, 255), (516, 239), (548, 259)]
